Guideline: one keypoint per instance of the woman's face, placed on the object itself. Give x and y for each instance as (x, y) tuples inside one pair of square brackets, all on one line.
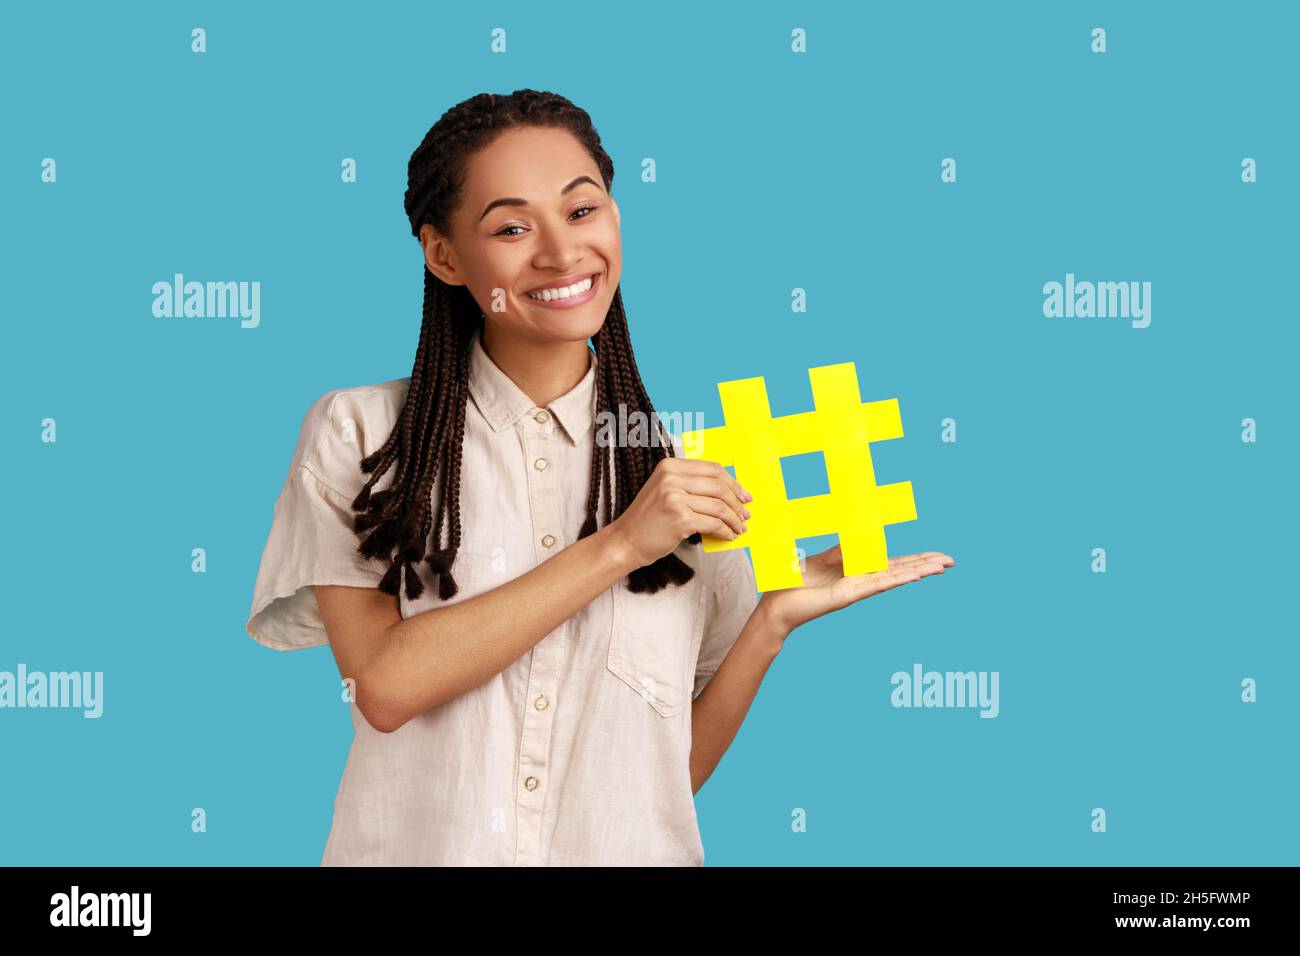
[(556, 227)]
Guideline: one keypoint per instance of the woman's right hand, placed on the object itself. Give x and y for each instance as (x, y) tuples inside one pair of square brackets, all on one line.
[(681, 497)]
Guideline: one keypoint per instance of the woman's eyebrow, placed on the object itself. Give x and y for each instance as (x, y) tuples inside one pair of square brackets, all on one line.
[(511, 201)]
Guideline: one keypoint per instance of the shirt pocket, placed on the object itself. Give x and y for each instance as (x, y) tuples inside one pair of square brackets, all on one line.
[(654, 640)]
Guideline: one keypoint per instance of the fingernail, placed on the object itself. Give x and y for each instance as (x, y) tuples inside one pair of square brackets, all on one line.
[(748, 496), (744, 527), (744, 512)]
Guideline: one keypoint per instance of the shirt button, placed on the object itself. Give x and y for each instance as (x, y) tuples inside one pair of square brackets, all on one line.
[(540, 702), (540, 464), (542, 417), (531, 783), (548, 540)]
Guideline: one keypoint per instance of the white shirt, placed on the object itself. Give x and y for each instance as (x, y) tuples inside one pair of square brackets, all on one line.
[(578, 752)]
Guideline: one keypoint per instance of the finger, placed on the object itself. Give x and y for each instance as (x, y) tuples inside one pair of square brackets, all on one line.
[(911, 561), (865, 585), (698, 485), (712, 507), (691, 466), (905, 559), (703, 466), (924, 557), (737, 488), (886, 580), (924, 568), (830, 558), (833, 556), (945, 559), (714, 526)]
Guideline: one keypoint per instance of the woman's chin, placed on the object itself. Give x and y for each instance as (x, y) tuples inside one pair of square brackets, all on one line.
[(572, 324)]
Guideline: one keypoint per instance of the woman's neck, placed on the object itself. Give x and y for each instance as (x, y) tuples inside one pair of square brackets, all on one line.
[(543, 370)]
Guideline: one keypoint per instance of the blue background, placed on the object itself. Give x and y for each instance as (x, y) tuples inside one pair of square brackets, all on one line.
[(819, 171)]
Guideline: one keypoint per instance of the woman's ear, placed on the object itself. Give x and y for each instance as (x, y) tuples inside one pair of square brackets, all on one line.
[(436, 256), (615, 205)]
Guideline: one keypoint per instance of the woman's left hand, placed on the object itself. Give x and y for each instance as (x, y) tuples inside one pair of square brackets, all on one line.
[(826, 589)]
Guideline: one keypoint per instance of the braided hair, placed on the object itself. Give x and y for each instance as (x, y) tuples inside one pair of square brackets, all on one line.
[(428, 436)]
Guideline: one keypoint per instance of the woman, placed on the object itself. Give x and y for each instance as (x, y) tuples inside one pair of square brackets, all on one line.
[(544, 664)]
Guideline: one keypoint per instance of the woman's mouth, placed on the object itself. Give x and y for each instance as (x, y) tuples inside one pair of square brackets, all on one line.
[(568, 296)]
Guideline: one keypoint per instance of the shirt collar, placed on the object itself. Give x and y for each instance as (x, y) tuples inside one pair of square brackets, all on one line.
[(502, 402)]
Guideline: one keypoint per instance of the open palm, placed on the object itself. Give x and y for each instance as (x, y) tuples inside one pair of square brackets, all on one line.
[(825, 588)]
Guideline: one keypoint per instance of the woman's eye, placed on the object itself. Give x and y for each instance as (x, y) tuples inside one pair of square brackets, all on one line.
[(504, 232)]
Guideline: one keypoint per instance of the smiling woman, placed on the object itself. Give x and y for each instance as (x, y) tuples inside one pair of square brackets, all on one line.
[(523, 644), (545, 664), (544, 264)]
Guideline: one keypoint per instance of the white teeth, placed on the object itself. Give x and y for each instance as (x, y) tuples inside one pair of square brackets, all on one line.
[(546, 295)]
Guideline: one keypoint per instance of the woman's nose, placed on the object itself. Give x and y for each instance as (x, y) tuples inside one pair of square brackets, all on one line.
[(558, 249)]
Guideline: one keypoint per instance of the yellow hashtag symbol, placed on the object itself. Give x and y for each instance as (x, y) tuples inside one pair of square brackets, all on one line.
[(841, 427)]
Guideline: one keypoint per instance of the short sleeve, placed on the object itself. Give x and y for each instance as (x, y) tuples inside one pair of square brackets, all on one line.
[(312, 540), (733, 595)]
